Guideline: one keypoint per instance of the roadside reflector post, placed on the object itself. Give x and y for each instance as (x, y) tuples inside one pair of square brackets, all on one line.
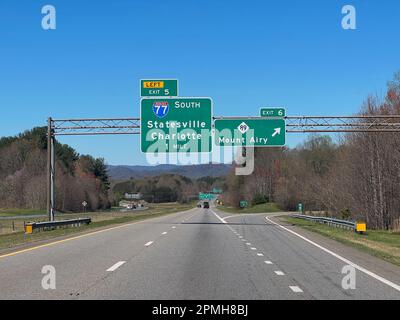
[(28, 229), (361, 227)]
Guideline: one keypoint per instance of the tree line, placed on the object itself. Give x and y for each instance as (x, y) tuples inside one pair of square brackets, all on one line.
[(23, 163), (166, 188), (354, 176)]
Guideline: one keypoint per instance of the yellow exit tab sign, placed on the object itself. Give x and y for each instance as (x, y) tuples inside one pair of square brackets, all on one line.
[(153, 84)]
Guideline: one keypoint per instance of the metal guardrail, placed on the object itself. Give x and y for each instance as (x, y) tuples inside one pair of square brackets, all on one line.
[(329, 221), (30, 226)]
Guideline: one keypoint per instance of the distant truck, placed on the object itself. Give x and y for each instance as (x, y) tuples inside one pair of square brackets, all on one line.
[(206, 205)]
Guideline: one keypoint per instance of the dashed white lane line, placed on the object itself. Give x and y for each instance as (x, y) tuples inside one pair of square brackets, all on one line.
[(173, 227), (116, 266), (165, 232), (149, 243), (279, 273), (295, 289), (85, 235), (371, 274)]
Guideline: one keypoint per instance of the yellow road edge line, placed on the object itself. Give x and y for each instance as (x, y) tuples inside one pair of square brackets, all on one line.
[(80, 236)]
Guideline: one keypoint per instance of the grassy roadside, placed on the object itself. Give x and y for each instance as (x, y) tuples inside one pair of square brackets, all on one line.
[(20, 212), (382, 244), (260, 208), (157, 210)]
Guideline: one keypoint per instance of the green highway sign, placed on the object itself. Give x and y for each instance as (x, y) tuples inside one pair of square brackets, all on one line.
[(273, 112), (300, 207), (217, 190), (261, 132), (175, 125), (243, 204), (159, 88), (205, 196)]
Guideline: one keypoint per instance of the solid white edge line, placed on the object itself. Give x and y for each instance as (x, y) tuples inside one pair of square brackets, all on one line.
[(243, 215), (356, 266), (116, 266), (219, 218), (149, 243)]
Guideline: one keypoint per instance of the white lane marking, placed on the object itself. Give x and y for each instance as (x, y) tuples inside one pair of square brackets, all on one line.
[(165, 232), (371, 274), (173, 227), (260, 254), (248, 243), (253, 248), (222, 220), (268, 262), (279, 273), (116, 266), (240, 237), (244, 215), (149, 243), (244, 240), (295, 289), (90, 234)]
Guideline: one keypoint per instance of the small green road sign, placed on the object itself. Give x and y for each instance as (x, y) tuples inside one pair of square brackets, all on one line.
[(247, 132), (273, 112), (217, 190), (176, 125), (159, 88), (300, 207), (244, 204)]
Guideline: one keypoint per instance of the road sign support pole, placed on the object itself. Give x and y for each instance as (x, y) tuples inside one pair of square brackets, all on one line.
[(50, 169)]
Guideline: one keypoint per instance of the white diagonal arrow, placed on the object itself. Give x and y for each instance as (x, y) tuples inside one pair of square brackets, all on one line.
[(276, 131)]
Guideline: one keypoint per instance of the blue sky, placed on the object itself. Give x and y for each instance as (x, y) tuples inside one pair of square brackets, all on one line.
[(243, 54)]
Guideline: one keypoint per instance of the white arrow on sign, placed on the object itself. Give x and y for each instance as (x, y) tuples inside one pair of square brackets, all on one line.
[(84, 203), (276, 131)]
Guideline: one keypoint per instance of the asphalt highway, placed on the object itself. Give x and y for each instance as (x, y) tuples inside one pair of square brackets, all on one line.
[(197, 254)]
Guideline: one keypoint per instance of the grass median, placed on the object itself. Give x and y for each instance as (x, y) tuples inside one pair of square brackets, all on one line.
[(382, 244), (99, 220), (259, 208)]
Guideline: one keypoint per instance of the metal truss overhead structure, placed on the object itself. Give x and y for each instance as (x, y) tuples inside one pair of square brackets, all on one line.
[(297, 124), (70, 127), (104, 126), (378, 123)]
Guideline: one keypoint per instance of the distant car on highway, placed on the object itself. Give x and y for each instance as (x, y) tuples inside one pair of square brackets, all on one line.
[(199, 205), (206, 205)]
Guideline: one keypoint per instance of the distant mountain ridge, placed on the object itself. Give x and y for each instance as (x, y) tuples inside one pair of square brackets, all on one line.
[(191, 171)]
